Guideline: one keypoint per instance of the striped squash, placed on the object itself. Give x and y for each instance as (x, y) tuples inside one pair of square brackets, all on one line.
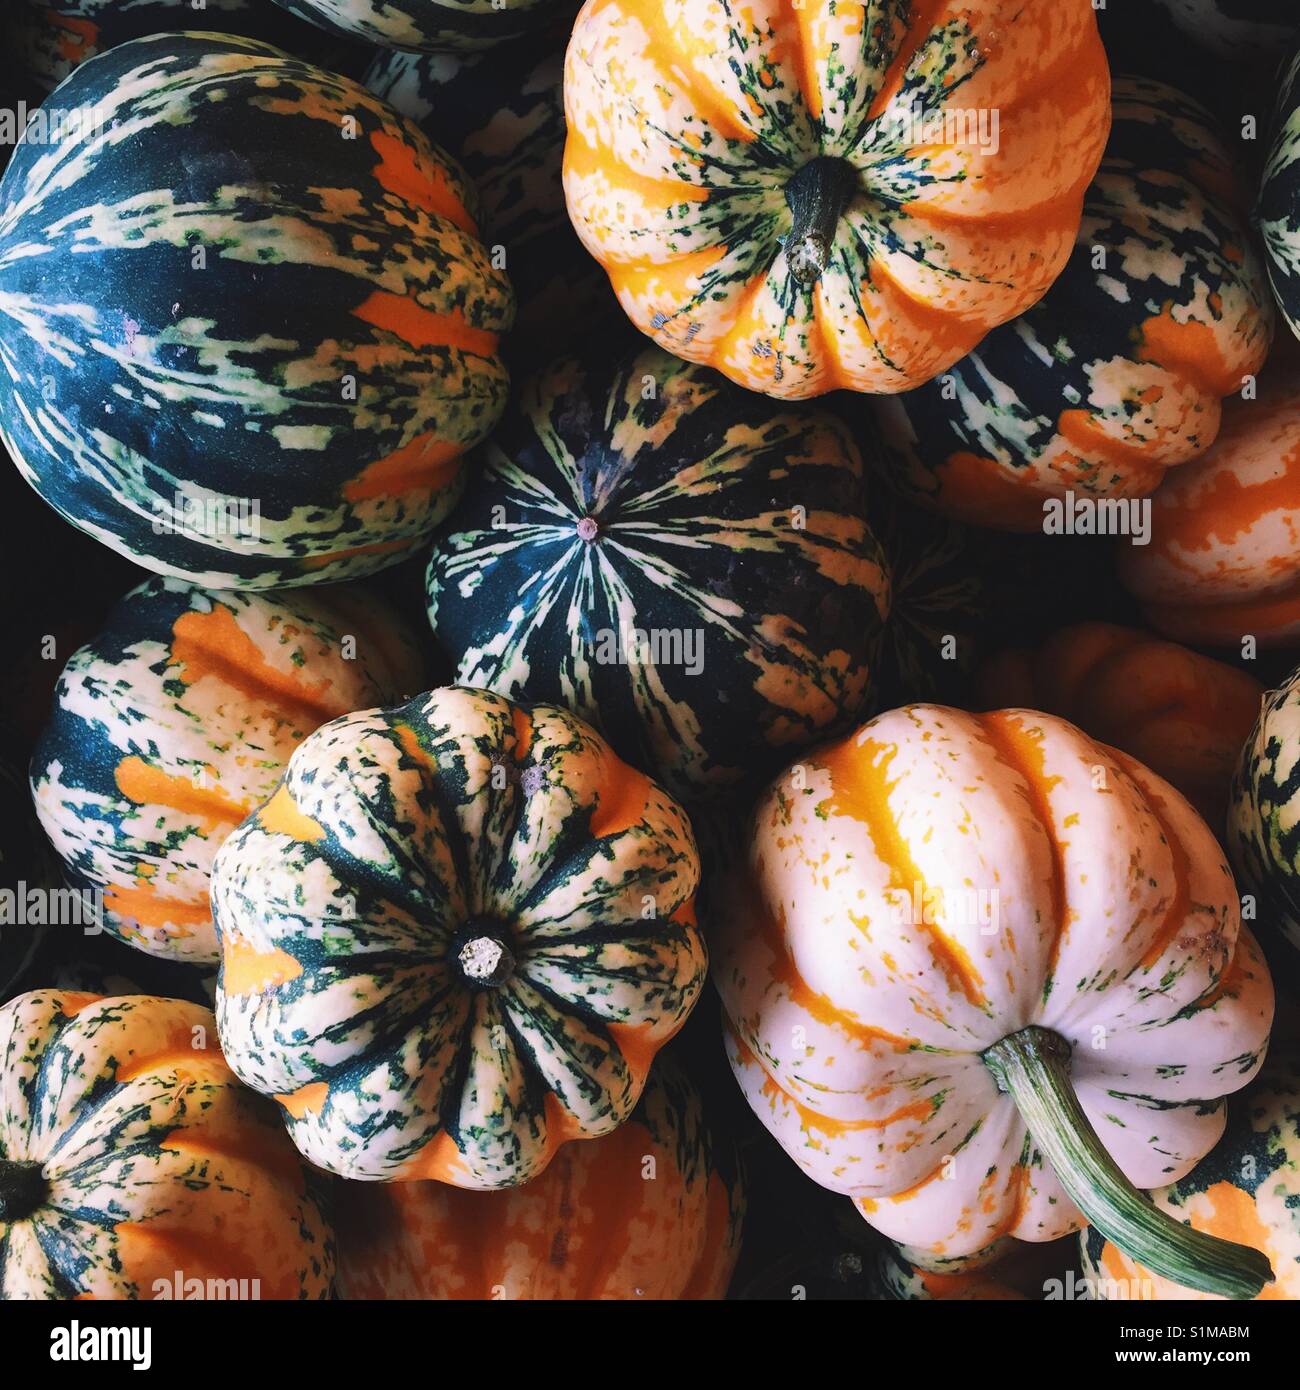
[(49, 38), (651, 1211), (1247, 1189), (988, 977), (454, 938), (1263, 824), (810, 200), (1183, 715), (176, 721), (665, 555), (275, 331), (436, 25), (24, 865), (129, 1153), (1117, 373), (1278, 209), (1221, 564), (501, 114)]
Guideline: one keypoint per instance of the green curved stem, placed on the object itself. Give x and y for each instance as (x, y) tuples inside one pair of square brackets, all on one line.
[(22, 1189), (1033, 1068)]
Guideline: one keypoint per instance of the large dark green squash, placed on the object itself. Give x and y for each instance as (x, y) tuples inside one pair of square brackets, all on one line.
[(275, 328), (652, 497)]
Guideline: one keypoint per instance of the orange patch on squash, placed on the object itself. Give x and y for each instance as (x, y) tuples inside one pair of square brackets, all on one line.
[(138, 781), (400, 173), (246, 970), (306, 1099), (281, 816), (213, 644), (147, 906), (422, 328), (623, 800), (860, 789), (426, 464), (1190, 350)]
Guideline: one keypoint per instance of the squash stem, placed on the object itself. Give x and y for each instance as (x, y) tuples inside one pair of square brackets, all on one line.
[(1033, 1067), (22, 1189), (817, 196)]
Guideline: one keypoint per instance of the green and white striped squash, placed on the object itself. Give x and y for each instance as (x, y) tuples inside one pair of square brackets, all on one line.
[(454, 938), (275, 329), (177, 720), (1278, 208), (501, 114), (129, 1154), (1264, 814), (1247, 1189), (434, 25), (672, 559)]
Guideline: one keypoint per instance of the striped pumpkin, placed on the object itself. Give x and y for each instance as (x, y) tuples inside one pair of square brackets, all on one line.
[(129, 1153), (50, 38), (1117, 373), (1183, 715), (176, 722), (429, 24), (1263, 825), (1278, 209), (1221, 564), (501, 114), (945, 1061), (651, 1211), (240, 386), (782, 210), (1247, 1189), (672, 560), (454, 938)]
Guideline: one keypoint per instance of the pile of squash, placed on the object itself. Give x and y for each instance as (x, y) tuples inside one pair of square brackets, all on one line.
[(656, 656)]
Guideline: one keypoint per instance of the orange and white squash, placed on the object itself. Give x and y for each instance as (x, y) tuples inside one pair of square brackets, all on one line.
[(129, 1154), (651, 1211), (815, 196), (1223, 562), (988, 977), (1182, 714)]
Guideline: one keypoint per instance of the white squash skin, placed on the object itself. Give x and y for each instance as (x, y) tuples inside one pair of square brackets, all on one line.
[(839, 999)]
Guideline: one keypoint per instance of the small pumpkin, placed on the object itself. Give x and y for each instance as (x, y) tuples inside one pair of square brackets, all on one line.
[(501, 114), (783, 212), (1183, 715), (1117, 373), (665, 555), (1221, 563), (429, 24), (129, 1152), (454, 938), (989, 978), (1278, 209), (1246, 1189), (270, 344), (651, 1211), (1263, 825), (177, 720)]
